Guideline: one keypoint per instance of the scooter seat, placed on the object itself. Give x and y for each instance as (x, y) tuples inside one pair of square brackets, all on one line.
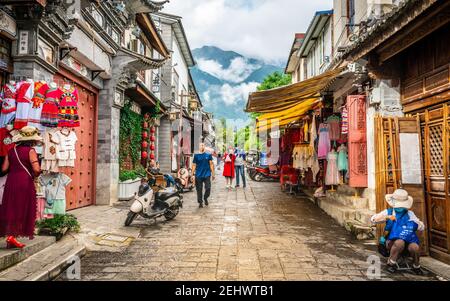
[(165, 195)]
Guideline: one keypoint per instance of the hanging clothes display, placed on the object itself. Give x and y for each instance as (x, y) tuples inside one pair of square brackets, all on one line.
[(306, 132), (68, 108), (335, 127), (8, 112), (324, 141), (37, 102), (66, 154), (6, 142), (51, 148), (50, 111), (342, 158), (25, 93), (332, 174), (54, 185)]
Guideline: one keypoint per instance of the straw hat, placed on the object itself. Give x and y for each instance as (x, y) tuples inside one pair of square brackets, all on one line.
[(400, 199), (28, 133)]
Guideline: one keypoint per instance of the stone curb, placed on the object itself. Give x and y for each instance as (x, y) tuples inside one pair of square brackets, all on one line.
[(56, 270)]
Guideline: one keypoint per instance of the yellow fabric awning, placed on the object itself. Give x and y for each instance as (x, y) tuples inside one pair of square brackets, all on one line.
[(284, 98)]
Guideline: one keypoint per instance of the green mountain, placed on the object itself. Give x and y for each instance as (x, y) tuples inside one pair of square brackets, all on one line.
[(225, 78)]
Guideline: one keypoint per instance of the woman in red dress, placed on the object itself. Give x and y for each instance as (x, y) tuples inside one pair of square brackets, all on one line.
[(18, 211), (228, 167)]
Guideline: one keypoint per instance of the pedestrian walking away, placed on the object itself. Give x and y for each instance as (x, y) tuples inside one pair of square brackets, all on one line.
[(203, 171), (228, 167), (239, 164)]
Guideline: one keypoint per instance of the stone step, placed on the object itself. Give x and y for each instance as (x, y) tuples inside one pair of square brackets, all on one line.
[(347, 190), (47, 264), (349, 201), (336, 210), (10, 257)]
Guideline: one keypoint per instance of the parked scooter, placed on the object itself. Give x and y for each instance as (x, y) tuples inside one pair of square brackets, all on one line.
[(260, 174), (186, 179), (148, 204)]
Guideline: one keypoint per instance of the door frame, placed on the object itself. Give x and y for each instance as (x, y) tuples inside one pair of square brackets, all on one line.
[(388, 167), (425, 114), (65, 73)]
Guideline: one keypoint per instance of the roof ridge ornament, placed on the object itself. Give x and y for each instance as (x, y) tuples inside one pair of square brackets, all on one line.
[(145, 6)]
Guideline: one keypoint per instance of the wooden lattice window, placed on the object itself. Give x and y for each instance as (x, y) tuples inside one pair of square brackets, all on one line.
[(436, 156)]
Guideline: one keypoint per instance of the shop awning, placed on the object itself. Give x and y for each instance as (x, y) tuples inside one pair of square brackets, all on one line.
[(288, 97)]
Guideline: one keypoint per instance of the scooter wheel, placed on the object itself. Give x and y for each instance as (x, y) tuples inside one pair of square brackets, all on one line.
[(130, 218), (259, 178), (172, 213)]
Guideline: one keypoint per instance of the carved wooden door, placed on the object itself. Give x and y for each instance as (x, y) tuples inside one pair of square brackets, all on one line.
[(81, 191), (357, 141), (435, 125), (398, 161)]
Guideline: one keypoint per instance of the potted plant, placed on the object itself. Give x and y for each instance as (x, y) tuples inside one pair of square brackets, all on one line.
[(129, 182), (58, 226)]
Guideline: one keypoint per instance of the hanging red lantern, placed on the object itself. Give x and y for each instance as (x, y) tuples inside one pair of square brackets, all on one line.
[(145, 125), (145, 135), (144, 145), (147, 116), (153, 130), (152, 147), (144, 155), (152, 138), (152, 156)]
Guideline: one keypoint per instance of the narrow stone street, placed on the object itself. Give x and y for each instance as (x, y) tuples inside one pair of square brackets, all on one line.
[(258, 233)]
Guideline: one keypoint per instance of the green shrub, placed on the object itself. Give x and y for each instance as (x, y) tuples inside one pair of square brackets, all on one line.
[(59, 224)]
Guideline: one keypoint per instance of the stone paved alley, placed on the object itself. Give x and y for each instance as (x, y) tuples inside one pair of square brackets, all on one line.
[(253, 234)]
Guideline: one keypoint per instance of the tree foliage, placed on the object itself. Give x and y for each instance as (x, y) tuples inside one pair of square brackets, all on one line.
[(275, 80)]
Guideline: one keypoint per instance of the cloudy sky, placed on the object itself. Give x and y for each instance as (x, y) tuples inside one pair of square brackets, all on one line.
[(262, 29)]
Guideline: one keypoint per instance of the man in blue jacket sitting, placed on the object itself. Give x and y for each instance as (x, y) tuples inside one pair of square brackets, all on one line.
[(400, 231)]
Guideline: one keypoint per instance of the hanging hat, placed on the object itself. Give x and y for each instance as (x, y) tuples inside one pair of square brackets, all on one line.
[(400, 199), (28, 133)]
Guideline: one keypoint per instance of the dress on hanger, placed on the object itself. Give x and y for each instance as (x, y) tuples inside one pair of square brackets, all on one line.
[(23, 104), (34, 118), (332, 175), (55, 192), (8, 112), (50, 112), (324, 141), (68, 108), (51, 148), (66, 154), (342, 158), (335, 127)]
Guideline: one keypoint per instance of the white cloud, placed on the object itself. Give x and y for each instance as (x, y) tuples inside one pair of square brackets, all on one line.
[(231, 95), (257, 28), (237, 72)]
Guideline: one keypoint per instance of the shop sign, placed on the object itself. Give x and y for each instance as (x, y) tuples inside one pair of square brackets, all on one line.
[(23, 42), (7, 24), (77, 66), (410, 159), (46, 51), (118, 99), (135, 108)]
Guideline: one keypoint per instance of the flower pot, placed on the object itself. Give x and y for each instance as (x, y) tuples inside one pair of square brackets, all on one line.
[(128, 189)]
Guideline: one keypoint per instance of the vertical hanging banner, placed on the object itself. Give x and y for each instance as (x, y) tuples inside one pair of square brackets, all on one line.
[(357, 141)]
